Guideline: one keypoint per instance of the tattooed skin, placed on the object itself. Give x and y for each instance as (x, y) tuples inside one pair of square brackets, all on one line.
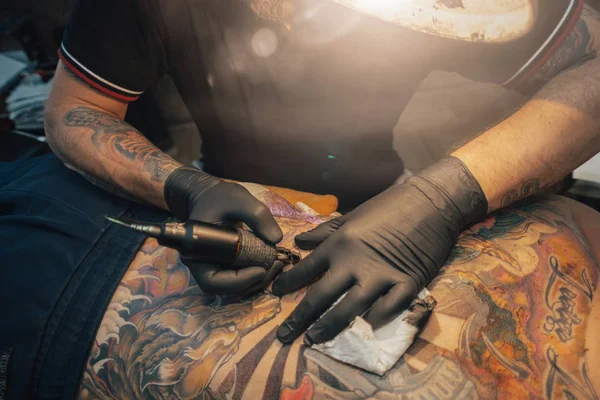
[(576, 49), (513, 301), (115, 135), (529, 188)]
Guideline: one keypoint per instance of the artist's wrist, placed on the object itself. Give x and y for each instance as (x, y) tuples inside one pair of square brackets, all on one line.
[(183, 187), (465, 197)]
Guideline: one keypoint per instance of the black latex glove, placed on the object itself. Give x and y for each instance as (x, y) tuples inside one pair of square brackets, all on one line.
[(193, 194), (382, 253)]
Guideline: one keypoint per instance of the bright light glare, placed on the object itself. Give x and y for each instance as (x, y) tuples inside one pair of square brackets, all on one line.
[(264, 42), (380, 7), (472, 20)]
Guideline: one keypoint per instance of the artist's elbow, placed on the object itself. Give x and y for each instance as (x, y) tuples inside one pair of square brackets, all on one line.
[(55, 136)]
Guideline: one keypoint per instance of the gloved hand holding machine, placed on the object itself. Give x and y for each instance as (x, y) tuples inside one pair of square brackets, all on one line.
[(217, 244), (222, 259), (449, 200)]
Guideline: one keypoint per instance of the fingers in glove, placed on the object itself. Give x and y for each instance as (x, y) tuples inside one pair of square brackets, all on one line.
[(311, 239), (230, 202), (259, 218), (212, 279), (358, 300), (275, 269), (302, 274), (388, 307), (318, 299)]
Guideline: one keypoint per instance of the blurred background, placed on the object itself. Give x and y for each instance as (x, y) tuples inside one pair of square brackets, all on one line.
[(31, 31)]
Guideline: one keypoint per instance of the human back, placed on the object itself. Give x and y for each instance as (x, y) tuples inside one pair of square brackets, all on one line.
[(514, 301)]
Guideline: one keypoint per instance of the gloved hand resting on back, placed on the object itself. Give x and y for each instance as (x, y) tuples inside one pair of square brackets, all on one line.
[(382, 253), (193, 194)]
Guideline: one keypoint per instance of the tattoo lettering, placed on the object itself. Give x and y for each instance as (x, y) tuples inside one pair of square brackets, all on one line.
[(563, 311), (564, 316), (509, 198), (586, 288), (114, 135), (571, 388), (529, 188)]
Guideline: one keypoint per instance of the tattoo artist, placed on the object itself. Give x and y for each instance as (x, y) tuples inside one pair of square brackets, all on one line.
[(293, 116)]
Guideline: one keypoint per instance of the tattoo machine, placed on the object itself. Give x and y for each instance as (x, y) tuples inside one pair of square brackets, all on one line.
[(213, 244)]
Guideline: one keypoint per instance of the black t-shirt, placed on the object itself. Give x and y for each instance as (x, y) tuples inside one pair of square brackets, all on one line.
[(311, 107)]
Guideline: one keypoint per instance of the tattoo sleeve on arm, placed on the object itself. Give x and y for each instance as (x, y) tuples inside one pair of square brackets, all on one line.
[(115, 135), (577, 49), (135, 166)]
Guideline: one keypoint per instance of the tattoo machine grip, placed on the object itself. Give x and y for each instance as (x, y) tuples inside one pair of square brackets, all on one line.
[(253, 251), (209, 243)]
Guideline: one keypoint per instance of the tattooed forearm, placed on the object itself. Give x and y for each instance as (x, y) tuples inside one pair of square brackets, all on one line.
[(86, 131), (108, 186), (117, 136)]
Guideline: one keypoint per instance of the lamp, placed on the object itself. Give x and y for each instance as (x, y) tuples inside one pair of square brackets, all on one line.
[(490, 21)]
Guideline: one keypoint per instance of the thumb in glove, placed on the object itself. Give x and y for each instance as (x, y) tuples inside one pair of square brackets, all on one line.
[(193, 194)]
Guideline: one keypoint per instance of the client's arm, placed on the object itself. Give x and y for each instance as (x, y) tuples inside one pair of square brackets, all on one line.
[(513, 305)]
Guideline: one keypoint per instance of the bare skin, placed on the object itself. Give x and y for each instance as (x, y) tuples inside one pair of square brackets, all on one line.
[(514, 320)]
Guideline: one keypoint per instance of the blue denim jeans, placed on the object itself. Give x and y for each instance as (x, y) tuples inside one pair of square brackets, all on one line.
[(60, 262)]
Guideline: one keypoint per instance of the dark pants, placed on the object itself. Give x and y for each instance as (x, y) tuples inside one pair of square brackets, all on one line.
[(60, 262)]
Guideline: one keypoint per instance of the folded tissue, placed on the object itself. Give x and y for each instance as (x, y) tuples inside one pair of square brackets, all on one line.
[(378, 351)]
